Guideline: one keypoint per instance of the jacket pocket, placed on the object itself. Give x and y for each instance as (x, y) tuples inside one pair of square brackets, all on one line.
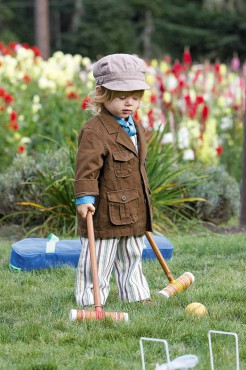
[(123, 163), (123, 206)]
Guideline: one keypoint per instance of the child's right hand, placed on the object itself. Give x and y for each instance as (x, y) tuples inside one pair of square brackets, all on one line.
[(84, 208)]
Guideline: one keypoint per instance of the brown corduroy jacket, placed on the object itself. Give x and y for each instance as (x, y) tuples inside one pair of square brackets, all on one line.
[(109, 167)]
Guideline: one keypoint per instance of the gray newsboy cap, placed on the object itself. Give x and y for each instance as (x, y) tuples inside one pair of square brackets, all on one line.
[(121, 72)]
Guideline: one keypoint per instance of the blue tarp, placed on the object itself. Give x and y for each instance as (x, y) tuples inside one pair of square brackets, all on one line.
[(31, 253)]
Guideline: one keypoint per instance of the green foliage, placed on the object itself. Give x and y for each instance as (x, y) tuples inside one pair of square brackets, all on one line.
[(232, 138), (172, 25), (220, 190), (39, 192), (36, 333), (15, 186)]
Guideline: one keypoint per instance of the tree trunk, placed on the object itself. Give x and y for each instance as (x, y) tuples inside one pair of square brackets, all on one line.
[(42, 29), (77, 15), (147, 33), (243, 190)]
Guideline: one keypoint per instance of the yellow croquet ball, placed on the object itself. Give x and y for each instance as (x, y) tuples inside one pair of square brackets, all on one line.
[(197, 309)]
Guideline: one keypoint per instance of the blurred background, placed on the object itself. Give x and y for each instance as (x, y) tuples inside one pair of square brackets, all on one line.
[(214, 29)]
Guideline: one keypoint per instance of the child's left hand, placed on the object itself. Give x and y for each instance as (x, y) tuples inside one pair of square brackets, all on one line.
[(84, 208)]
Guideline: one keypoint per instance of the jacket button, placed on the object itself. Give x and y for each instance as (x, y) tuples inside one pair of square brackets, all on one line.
[(123, 198)]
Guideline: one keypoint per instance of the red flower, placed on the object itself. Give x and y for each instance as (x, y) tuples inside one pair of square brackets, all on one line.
[(217, 67), (2, 93), (13, 116), (136, 116), (199, 99), (14, 125), (177, 69), (8, 99), (13, 44), (72, 95), (187, 99), (26, 79), (192, 111), (1, 108), (85, 102), (21, 149), (151, 117), (36, 51), (160, 83), (153, 98), (167, 58), (205, 112), (182, 83), (26, 45), (187, 56), (196, 76), (219, 149)]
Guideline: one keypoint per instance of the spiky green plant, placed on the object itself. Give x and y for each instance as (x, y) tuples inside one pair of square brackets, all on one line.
[(169, 196)]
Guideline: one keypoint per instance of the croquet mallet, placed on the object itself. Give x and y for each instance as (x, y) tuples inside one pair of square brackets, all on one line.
[(98, 313), (177, 285)]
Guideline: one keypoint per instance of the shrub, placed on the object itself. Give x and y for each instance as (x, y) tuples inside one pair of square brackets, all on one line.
[(39, 192), (221, 191)]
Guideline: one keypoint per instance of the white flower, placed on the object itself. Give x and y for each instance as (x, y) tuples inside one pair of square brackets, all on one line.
[(86, 61), (183, 138), (36, 107), (168, 138), (25, 140), (226, 123), (188, 155), (36, 99), (172, 82)]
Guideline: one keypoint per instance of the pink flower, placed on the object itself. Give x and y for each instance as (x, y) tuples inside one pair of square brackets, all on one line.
[(235, 63)]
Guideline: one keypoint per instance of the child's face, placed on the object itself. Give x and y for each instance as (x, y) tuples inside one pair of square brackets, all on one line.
[(123, 106)]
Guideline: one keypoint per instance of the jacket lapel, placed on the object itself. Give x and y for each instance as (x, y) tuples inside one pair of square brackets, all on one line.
[(113, 127)]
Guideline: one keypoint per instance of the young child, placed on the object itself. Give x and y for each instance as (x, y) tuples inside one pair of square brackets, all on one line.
[(111, 182)]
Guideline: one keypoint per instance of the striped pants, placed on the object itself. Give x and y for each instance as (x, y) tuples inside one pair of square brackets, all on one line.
[(124, 255)]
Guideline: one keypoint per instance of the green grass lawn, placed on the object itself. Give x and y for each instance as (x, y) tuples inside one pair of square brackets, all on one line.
[(35, 331)]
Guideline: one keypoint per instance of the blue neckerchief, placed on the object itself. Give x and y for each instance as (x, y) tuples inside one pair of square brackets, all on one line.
[(128, 125)]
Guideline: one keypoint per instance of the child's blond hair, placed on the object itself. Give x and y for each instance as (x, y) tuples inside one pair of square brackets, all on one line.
[(96, 104)]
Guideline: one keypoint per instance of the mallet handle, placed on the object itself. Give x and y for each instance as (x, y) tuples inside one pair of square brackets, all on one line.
[(159, 256), (93, 258)]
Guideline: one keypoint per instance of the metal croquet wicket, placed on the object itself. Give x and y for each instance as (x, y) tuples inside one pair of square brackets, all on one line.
[(153, 340), (211, 349)]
